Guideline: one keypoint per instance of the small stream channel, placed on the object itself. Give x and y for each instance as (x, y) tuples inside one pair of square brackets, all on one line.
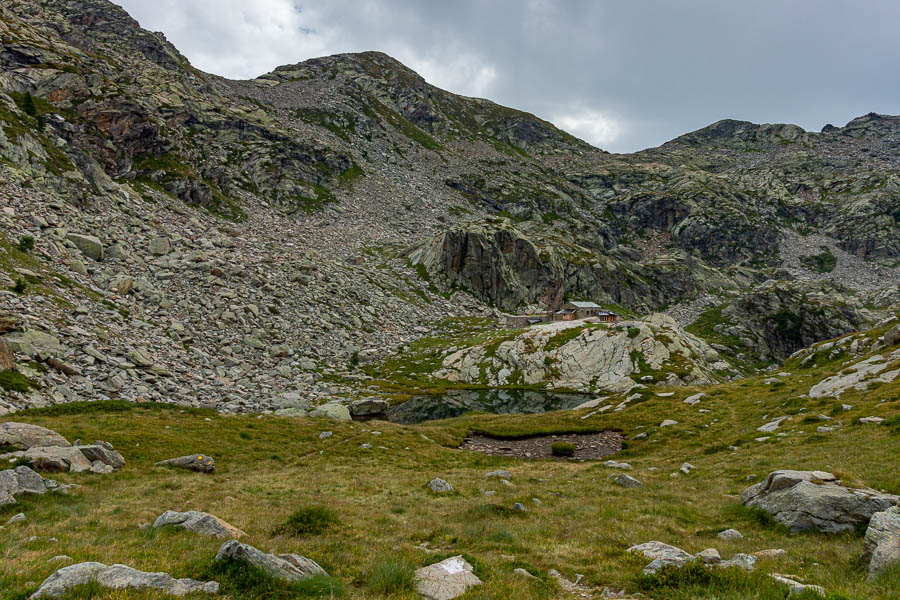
[(458, 402)]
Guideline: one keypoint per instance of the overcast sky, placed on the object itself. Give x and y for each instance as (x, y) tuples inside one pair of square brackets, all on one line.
[(621, 74)]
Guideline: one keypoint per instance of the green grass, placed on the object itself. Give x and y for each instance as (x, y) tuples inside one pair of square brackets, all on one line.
[(310, 520), (563, 449), (583, 525), (392, 577), (13, 381), (239, 580)]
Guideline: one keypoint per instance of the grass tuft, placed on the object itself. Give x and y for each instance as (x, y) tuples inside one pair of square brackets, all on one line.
[(309, 520), (240, 580), (391, 577)]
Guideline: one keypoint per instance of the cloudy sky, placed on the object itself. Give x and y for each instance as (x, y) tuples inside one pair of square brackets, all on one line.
[(623, 75)]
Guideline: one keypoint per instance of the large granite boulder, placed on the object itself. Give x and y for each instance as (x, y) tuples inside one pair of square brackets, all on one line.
[(198, 522), (446, 580), (815, 500), (286, 567), (25, 436), (118, 577), (881, 548)]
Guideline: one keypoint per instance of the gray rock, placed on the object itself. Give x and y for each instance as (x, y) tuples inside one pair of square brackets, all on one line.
[(160, 246), (617, 465), (686, 468), (805, 500), (654, 550), (796, 587), (730, 534), (501, 473), (104, 453), (25, 436), (286, 567), (29, 482), (17, 518), (668, 423), (193, 462), (627, 481), (446, 580), (198, 522), (118, 577), (325, 435), (56, 459), (89, 245), (519, 507), (743, 561), (881, 548), (34, 343), (695, 399), (439, 486), (710, 556), (332, 410), (366, 407)]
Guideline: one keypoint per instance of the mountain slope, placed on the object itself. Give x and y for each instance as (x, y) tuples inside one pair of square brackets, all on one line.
[(271, 234)]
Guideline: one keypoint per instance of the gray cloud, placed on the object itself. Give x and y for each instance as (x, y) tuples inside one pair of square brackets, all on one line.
[(623, 75)]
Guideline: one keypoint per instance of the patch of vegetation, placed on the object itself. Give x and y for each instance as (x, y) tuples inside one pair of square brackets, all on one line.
[(758, 516), (13, 381), (824, 262), (309, 520), (340, 125), (633, 332), (392, 577), (240, 580), (563, 449), (19, 286), (110, 406), (789, 325), (26, 243), (695, 580), (562, 338)]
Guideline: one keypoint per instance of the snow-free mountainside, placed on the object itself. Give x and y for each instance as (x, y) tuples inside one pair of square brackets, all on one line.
[(254, 334)]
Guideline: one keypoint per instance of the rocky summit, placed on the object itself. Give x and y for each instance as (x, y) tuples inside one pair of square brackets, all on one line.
[(360, 293)]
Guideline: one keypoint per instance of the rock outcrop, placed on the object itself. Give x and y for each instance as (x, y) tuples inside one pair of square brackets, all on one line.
[(118, 577), (881, 548), (198, 522), (286, 567), (25, 436), (590, 356), (815, 500)]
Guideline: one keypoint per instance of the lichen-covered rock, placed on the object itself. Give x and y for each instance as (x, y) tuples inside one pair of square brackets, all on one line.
[(590, 356), (118, 577), (25, 436), (446, 580), (198, 522), (881, 548), (286, 567), (806, 500), (202, 463)]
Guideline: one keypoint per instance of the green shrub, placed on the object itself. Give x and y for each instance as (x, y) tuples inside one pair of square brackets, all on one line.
[(240, 580), (563, 449), (26, 243), (20, 286), (633, 332), (309, 520), (28, 105), (13, 381), (392, 577)]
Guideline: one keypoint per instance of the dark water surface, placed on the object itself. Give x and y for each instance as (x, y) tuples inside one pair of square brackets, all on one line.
[(458, 402)]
